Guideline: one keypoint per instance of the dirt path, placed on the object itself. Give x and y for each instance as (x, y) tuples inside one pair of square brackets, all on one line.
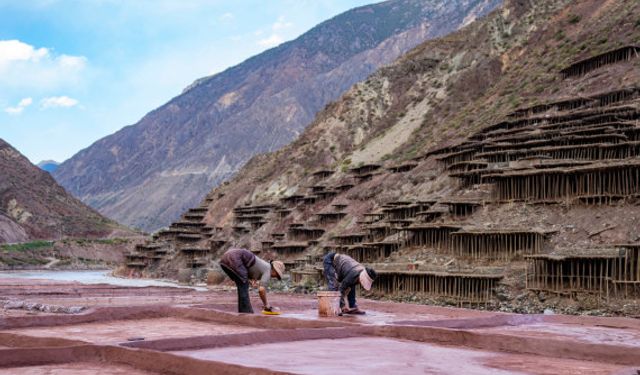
[(52, 262)]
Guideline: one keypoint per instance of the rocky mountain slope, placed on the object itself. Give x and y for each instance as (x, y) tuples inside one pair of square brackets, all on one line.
[(34, 206), (497, 167), (147, 174)]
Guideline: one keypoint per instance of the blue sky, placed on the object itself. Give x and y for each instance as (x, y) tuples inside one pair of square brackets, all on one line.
[(74, 71)]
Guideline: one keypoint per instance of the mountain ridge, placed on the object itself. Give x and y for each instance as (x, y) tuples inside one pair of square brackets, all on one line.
[(34, 206), (146, 174), (517, 174)]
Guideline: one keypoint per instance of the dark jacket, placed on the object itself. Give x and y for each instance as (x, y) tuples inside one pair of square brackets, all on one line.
[(347, 271), (239, 260)]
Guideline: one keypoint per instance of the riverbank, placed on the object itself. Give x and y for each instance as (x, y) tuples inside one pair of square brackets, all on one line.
[(66, 254), (103, 276)]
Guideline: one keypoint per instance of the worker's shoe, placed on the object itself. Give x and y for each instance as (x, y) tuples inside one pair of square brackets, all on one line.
[(355, 311)]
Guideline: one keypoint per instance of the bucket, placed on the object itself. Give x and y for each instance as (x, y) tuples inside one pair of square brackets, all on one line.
[(328, 303)]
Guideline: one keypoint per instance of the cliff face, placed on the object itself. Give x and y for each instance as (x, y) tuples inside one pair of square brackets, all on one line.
[(34, 206), (147, 174), (497, 165)]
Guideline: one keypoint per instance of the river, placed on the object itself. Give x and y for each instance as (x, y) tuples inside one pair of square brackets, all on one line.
[(89, 277)]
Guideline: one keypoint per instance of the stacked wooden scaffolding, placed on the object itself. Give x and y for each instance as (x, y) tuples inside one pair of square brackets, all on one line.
[(607, 272), (605, 179), (287, 249), (462, 288), (569, 274), (625, 280), (437, 236), (301, 233), (585, 66), (370, 252), (306, 276), (503, 244), (332, 217)]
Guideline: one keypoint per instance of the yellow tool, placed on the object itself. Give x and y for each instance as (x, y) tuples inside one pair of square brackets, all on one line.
[(267, 312)]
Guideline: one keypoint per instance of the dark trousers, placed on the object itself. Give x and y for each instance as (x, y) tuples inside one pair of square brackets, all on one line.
[(332, 281), (244, 303)]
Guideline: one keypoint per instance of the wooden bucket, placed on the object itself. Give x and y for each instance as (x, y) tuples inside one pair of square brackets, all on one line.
[(328, 303)]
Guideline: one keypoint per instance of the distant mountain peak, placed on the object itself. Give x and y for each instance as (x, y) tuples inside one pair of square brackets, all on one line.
[(48, 165), (174, 155)]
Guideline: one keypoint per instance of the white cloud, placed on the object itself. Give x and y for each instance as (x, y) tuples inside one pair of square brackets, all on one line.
[(24, 103), (73, 62), (271, 41), (227, 17), (58, 101), (281, 24), (276, 37), (15, 50), (23, 66)]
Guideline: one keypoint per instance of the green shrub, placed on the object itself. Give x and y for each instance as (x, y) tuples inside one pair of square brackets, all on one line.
[(26, 246)]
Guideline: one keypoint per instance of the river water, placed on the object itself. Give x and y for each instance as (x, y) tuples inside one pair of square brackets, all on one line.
[(89, 277)]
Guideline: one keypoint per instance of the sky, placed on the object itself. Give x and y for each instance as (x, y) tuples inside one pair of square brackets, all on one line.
[(74, 71)]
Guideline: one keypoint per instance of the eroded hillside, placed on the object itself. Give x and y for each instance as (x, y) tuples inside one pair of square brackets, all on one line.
[(34, 206), (498, 167), (146, 174)]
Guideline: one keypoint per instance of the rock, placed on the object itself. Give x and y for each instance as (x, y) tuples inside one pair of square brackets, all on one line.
[(39, 307), (215, 277), (502, 296), (542, 297), (184, 275), (548, 312), (14, 305), (75, 309)]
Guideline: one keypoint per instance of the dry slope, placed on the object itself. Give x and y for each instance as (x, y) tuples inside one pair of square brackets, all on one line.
[(34, 206), (147, 174), (498, 166)]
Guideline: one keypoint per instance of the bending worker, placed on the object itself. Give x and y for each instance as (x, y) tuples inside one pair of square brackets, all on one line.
[(343, 273), (242, 266)]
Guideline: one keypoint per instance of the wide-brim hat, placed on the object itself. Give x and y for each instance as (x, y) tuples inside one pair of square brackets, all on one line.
[(365, 280), (278, 266)]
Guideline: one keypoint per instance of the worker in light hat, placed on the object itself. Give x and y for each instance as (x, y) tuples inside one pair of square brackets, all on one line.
[(343, 273), (244, 267)]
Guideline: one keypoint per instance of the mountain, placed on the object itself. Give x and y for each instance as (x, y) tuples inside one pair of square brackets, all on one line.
[(146, 174), (498, 166), (34, 206), (48, 165)]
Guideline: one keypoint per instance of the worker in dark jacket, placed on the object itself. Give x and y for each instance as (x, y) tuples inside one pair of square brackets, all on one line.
[(343, 273), (243, 267)]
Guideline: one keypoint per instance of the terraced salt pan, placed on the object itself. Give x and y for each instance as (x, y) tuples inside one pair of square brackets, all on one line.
[(121, 300), (371, 355), (588, 334), (74, 369), (372, 317), (118, 331)]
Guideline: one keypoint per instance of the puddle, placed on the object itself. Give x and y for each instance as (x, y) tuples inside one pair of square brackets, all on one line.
[(381, 355), (112, 332), (589, 334)]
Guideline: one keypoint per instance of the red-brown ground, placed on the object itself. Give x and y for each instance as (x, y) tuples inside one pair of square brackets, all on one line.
[(74, 369), (182, 331)]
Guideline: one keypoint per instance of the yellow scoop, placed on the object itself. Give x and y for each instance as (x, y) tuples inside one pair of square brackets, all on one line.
[(266, 312)]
